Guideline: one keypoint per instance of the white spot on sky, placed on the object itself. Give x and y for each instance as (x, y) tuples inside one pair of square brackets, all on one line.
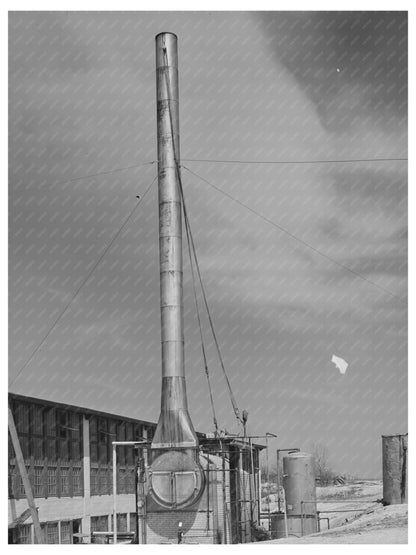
[(340, 363)]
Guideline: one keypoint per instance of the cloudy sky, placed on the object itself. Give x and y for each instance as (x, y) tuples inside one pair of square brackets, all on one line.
[(275, 87)]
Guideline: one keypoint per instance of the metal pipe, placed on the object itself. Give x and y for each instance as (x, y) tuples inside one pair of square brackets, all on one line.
[(224, 496), (207, 488), (115, 443), (129, 442), (114, 493), (174, 428)]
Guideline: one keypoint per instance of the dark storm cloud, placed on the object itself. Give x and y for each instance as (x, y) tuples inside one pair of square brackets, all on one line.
[(380, 186), (349, 63), (379, 198)]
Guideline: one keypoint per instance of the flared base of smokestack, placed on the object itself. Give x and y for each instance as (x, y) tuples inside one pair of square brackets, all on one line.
[(174, 428), (176, 479)]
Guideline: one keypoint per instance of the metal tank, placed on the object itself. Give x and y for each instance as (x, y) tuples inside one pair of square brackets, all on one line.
[(300, 497), (394, 469)]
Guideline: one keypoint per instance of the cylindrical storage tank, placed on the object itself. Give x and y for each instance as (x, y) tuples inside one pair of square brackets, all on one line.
[(277, 526), (394, 469), (300, 493)]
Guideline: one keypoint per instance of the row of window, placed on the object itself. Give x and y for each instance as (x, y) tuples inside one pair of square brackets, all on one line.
[(47, 432), (64, 532), (52, 433), (67, 532), (67, 481), (105, 523), (47, 480)]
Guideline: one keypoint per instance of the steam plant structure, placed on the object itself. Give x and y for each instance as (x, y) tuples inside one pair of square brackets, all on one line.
[(90, 475), (193, 492)]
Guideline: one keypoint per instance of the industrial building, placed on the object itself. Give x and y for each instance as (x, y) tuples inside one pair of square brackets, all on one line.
[(78, 475), (68, 456)]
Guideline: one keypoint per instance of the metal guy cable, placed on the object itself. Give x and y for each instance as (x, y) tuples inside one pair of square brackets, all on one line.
[(177, 167), (293, 236), (288, 162), (190, 251), (84, 281)]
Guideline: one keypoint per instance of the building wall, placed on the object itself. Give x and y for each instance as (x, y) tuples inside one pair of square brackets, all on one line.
[(205, 522), (69, 508), (75, 493), (68, 457), (54, 432)]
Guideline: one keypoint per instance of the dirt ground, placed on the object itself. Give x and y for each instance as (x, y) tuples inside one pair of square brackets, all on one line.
[(359, 518)]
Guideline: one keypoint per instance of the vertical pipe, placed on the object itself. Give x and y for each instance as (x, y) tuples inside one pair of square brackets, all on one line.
[(268, 482), (207, 488), (224, 493), (114, 494), (253, 496), (174, 428), (86, 472), (278, 479)]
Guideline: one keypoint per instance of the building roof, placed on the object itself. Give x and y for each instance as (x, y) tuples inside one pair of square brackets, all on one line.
[(75, 408)]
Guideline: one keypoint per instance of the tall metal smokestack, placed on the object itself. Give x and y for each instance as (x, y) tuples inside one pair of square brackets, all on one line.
[(175, 444)]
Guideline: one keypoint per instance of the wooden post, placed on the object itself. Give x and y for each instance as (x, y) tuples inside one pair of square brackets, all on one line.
[(25, 478), (45, 478), (86, 473)]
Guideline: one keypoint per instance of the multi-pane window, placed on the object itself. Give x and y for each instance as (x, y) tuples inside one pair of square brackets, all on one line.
[(51, 441), (121, 436), (104, 485), (102, 440), (99, 524), (50, 431), (129, 437), (77, 481), (22, 418), (46, 432), (50, 530), (23, 534), (52, 481), (93, 439), (50, 422), (121, 522), (37, 482), (133, 523), (66, 532), (64, 481), (36, 431), (63, 434), (37, 420), (37, 447)]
